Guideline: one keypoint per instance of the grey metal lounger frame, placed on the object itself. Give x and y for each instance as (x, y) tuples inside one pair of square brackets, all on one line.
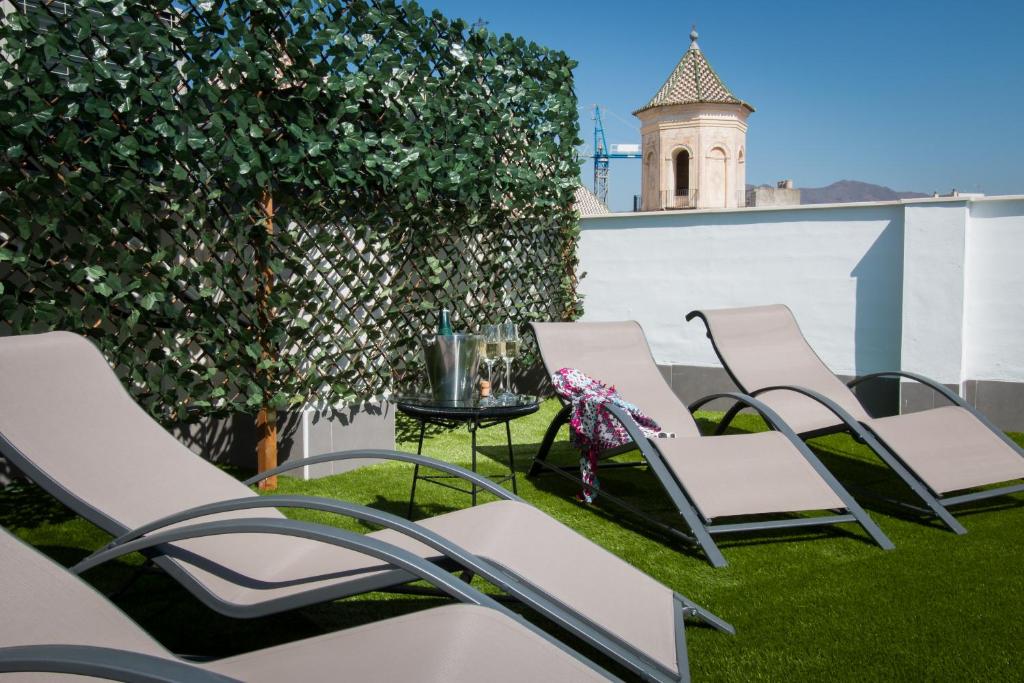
[(103, 662), (703, 530), (131, 666), (455, 557), (936, 504)]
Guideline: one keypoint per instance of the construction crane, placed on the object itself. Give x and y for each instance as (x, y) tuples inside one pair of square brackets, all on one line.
[(603, 155)]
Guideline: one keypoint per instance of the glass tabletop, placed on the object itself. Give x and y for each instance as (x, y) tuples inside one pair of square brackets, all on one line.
[(427, 404)]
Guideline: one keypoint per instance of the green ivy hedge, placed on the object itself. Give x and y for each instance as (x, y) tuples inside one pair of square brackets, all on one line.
[(411, 162)]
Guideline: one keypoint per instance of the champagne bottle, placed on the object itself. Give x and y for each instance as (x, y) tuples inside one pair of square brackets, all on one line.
[(444, 325)]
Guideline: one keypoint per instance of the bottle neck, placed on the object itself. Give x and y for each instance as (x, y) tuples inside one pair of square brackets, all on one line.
[(444, 325)]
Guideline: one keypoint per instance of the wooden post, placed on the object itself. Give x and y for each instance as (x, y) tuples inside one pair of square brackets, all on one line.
[(266, 419), (266, 447)]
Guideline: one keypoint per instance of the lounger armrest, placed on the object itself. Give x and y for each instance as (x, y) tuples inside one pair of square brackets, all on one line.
[(380, 454), (950, 396), (770, 416), (921, 379), (849, 420), (103, 662), (367, 545), (117, 546), (634, 431)]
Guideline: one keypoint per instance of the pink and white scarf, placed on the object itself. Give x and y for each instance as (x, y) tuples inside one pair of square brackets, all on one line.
[(592, 428)]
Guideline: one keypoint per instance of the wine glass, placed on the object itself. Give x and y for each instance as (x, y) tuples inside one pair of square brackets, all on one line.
[(509, 349), (490, 350)]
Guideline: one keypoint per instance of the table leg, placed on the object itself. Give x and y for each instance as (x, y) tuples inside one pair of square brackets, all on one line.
[(511, 457), (416, 469), (472, 431)]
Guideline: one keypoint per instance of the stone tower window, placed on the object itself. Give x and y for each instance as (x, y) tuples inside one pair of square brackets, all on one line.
[(682, 173)]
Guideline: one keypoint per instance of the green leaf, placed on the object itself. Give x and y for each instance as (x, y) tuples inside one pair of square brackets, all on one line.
[(148, 301)]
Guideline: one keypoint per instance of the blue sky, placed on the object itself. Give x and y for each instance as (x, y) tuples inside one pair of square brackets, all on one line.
[(914, 94)]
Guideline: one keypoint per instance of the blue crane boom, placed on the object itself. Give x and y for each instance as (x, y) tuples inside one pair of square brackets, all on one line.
[(602, 157)]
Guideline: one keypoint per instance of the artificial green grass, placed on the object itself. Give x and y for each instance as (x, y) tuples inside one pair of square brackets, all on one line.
[(808, 605)]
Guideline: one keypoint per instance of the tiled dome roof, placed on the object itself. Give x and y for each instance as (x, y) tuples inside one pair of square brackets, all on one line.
[(693, 81), (587, 203)]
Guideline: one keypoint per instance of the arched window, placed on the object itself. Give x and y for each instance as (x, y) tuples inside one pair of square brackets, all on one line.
[(682, 173)]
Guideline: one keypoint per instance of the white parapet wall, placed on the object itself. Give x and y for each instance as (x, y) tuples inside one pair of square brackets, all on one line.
[(934, 286)]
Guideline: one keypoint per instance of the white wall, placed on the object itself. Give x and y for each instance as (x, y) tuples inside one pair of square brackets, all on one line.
[(931, 286), (839, 269), (994, 320), (934, 242)]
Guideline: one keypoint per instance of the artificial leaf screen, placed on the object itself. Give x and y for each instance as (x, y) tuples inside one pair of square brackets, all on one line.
[(259, 203)]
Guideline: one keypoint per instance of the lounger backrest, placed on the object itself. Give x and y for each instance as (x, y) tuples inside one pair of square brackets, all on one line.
[(64, 410), (41, 604), (763, 346), (617, 354)]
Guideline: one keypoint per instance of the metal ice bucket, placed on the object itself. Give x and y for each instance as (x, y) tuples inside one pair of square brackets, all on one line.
[(451, 366)]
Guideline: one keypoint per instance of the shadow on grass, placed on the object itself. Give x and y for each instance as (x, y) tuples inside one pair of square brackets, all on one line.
[(23, 505), (407, 430), (422, 509)]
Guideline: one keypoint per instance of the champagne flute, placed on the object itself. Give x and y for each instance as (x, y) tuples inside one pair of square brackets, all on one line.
[(491, 341), (509, 349)]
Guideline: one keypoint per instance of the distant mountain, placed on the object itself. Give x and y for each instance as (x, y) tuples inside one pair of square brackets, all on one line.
[(847, 191), (853, 191)]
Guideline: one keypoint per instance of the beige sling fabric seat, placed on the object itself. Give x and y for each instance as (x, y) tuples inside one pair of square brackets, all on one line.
[(707, 478), (42, 604), (936, 452), (66, 421)]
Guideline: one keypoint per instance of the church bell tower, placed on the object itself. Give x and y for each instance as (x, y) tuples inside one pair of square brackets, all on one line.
[(694, 133)]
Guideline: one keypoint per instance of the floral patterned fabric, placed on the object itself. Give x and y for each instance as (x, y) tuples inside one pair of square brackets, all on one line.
[(592, 428)]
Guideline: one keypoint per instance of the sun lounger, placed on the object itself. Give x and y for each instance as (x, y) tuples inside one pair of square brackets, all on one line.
[(707, 478), (937, 452), (54, 623), (68, 424)]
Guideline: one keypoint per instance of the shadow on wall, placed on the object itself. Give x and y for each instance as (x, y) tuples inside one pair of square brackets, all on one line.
[(232, 440), (879, 318)]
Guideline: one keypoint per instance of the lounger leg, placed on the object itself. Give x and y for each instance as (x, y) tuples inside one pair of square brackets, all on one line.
[(728, 418), (679, 609), (672, 487), (913, 482), (416, 470), (852, 505), (690, 608), (511, 456), (472, 432), (700, 532), (549, 439)]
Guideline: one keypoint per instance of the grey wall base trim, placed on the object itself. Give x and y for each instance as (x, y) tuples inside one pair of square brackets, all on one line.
[(1000, 402), (690, 383), (366, 425), (916, 397), (301, 433)]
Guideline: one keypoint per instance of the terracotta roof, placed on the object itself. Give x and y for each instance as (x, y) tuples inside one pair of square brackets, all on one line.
[(586, 203), (693, 81)]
